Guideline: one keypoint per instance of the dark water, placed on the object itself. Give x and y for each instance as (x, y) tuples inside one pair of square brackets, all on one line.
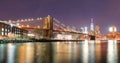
[(61, 52)]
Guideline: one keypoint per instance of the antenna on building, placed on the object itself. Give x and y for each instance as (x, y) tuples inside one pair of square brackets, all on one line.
[(92, 20)]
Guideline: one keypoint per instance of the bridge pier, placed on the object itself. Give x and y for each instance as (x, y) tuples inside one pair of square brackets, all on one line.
[(48, 27), (92, 37)]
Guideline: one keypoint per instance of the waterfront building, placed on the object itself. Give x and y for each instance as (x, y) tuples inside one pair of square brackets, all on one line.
[(113, 34), (7, 28)]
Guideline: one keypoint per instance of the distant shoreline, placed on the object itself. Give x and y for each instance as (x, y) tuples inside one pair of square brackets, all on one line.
[(41, 40)]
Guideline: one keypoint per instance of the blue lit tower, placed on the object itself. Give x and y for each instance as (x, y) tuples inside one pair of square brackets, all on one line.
[(92, 25)]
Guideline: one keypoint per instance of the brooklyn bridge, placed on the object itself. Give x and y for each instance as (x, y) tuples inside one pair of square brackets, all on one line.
[(50, 27)]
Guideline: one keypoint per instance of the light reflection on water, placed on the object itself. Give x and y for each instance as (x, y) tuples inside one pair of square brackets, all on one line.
[(112, 56), (2, 53), (29, 53), (92, 52), (85, 52), (10, 53), (61, 52)]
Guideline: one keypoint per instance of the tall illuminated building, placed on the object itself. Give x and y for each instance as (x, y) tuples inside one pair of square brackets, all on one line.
[(97, 29), (92, 25), (86, 30), (82, 29), (113, 29)]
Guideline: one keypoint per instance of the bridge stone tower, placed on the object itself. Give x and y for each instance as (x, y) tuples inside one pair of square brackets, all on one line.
[(48, 27)]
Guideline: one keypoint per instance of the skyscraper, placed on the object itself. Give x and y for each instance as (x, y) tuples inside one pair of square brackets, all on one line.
[(97, 29), (86, 29), (92, 25)]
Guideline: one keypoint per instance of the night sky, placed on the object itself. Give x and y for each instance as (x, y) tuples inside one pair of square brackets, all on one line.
[(70, 12)]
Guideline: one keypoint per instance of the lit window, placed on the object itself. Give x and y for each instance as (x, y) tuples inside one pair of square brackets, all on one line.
[(2, 29), (5, 33), (2, 33), (5, 29)]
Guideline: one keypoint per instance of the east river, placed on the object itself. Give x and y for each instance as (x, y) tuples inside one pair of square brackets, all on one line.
[(61, 52)]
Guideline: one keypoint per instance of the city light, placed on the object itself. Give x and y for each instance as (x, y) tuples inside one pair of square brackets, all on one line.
[(25, 19), (66, 31), (31, 35), (22, 20), (112, 29), (28, 19), (60, 31), (86, 30), (28, 25), (63, 37)]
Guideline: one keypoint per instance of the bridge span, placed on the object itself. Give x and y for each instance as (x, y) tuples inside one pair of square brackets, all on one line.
[(50, 27)]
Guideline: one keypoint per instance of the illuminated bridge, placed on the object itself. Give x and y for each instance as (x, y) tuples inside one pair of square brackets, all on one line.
[(51, 27)]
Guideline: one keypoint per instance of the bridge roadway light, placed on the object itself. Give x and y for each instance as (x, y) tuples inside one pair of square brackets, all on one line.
[(28, 19), (25, 20), (22, 20), (28, 25), (39, 18), (32, 19), (18, 20), (18, 25)]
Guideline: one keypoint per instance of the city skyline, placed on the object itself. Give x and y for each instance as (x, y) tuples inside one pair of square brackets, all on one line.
[(70, 12)]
